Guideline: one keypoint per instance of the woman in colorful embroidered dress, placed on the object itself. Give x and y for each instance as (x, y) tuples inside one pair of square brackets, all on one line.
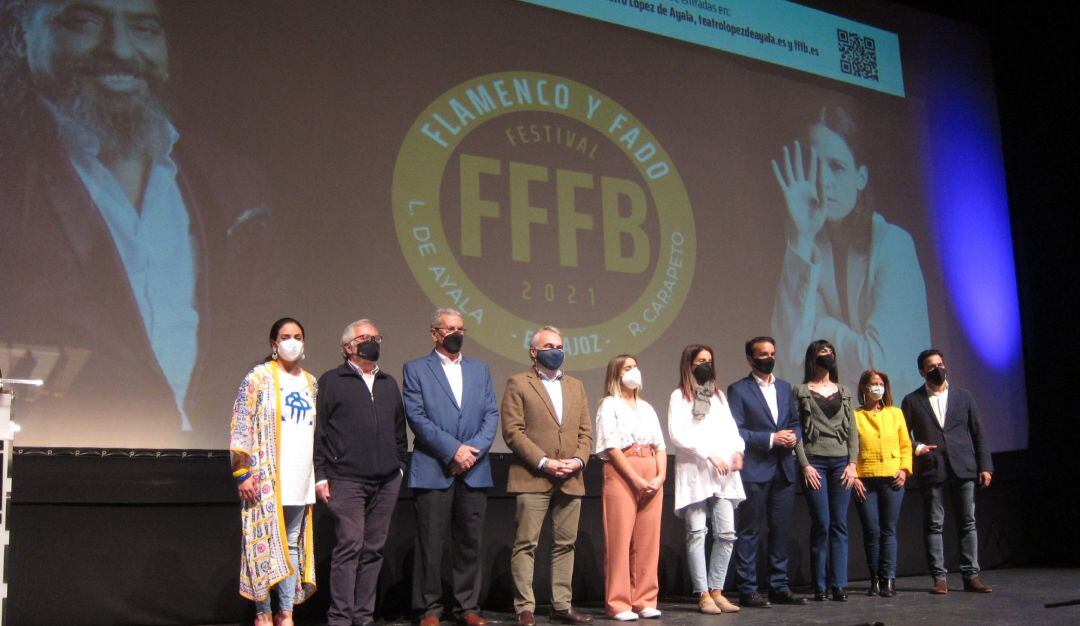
[(271, 444)]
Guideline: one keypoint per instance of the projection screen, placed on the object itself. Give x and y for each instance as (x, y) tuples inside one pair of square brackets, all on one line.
[(642, 175)]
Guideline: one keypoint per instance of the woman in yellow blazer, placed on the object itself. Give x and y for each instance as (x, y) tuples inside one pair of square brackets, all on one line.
[(883, 467)]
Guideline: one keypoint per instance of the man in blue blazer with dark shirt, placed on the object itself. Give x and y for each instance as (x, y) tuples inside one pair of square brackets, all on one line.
[(765, 412), (451, 408), (951, 456)]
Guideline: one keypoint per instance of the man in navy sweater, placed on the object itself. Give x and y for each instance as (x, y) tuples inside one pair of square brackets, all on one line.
[(360, 457)]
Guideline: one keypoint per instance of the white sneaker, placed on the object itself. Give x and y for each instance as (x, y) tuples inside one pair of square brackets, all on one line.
[(649, 612), (625, 616)]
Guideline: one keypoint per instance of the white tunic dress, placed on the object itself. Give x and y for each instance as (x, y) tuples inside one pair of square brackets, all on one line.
[(695, 441)]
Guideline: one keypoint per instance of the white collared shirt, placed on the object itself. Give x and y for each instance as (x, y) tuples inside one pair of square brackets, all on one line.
[(155, 246), (939, 401), (369, 379), (768, 389), (553, 386), (452, 368)]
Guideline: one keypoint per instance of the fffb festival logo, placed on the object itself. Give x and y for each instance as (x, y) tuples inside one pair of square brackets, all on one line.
[(524, 199)]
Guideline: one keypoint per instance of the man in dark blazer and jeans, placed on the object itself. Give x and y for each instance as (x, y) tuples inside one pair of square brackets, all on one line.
[(951, 454), (764, 410)]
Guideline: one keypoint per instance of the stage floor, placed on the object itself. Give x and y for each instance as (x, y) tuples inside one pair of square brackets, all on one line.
[(1019, 597)]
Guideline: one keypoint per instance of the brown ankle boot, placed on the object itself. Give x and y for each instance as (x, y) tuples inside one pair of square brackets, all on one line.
[(723, 603), (707, 605)]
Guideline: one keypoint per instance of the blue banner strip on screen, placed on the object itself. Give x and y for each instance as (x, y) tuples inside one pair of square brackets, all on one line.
[(775, 31)]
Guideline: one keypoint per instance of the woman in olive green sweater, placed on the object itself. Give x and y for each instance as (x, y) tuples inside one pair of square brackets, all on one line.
[(827, 454)]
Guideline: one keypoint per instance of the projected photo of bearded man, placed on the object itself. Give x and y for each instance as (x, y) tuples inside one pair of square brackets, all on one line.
[(120, 220), (105, 65), (848, 276)]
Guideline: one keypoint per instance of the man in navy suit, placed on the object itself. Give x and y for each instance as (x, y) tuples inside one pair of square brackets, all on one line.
[(764, 410), (450, 405), (951, 454)]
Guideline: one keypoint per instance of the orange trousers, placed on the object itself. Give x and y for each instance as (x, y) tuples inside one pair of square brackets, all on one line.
[(631, 536)]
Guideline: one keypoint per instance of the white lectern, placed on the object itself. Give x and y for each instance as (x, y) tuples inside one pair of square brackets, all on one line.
[(7, 434)]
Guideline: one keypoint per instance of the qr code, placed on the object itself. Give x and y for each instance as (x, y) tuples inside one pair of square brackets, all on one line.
[(858, 55)]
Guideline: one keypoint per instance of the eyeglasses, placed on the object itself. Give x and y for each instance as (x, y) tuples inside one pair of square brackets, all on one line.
[(366, 338), (449, 330)]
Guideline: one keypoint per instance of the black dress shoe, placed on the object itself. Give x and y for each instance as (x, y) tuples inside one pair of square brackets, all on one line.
[(786, 597), (753, 600), (570, 616), (839, 594), (888, 590), (875, 586), (821, 595)]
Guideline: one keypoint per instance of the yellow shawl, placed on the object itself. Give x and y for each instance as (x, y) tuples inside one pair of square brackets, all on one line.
[(254, 443)]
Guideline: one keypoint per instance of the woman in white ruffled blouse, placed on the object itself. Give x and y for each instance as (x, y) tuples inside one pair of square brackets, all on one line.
[(630, 441), (708, 457)]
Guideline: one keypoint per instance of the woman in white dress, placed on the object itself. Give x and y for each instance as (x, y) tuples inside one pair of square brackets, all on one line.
[(708, 457)]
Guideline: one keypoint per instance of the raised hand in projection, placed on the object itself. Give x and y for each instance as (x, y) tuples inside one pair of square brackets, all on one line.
[(803, 195), (847, 275)]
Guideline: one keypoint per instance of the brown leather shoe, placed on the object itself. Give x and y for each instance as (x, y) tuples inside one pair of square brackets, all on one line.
[(429, 620), (940, 588), (570, 616), (722, 603), (526, 618), (976, 585), (471, 618)]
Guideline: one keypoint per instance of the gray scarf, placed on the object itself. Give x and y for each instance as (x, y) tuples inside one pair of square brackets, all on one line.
[(703, 395)]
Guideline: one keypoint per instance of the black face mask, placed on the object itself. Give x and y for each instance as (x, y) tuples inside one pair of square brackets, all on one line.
[(827, 361), (765, 366), (703, 373), (452, 342), (368, 350), (936, 376)]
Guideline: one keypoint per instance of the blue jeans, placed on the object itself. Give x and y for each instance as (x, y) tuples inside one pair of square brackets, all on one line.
[(285, 590), (828, 522), (961, 492), (721, 512), (879, 514)]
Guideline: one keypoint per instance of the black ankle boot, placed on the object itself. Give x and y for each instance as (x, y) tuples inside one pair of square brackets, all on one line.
[(839, 594), (875, 586), (888, 590)]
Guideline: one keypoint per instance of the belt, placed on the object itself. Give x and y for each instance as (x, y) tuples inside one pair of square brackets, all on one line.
[(639, 450)]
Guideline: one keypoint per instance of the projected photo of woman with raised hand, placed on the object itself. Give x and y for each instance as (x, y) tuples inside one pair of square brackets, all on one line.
[(848, 276)]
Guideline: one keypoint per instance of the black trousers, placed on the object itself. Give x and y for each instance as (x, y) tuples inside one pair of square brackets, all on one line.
[(362, 512), (456, 512)]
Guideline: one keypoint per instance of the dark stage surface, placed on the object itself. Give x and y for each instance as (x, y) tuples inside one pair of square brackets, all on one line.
[(1019, 597)]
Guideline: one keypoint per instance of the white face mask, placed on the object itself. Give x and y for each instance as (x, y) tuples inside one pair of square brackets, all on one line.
[(632, 379), (291, 350), (876, 392)]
